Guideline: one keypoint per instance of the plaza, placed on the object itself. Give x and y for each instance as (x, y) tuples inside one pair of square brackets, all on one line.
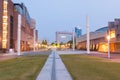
[(46, 40)]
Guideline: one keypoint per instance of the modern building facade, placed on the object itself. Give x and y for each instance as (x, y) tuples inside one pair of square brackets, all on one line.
[(98, 39), (9, 12), (114, 30)]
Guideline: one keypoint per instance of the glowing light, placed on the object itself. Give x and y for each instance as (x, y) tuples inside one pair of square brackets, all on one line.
[(108, 37), (103, 47), (112, 34), (4, 24), (63, 36)]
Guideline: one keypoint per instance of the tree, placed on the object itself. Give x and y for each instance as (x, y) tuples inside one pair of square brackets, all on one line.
[(44, 42), (53, 44)]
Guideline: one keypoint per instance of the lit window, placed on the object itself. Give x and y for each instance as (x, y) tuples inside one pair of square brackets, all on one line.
[(5, 4), (112, 34), (4, 28), (4, 25), (4, 44), (5, 19), (5, 13)]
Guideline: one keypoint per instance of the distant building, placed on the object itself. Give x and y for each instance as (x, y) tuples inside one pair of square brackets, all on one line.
[(9, 12), (78, 32)]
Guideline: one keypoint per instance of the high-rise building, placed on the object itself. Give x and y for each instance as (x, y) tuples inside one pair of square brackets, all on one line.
[(78, 31)]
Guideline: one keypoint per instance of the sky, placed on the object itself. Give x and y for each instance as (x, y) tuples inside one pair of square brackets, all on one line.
[(64, 15)]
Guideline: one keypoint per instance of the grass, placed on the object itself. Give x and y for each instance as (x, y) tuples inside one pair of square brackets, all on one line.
[(22, 68), (84, 67)]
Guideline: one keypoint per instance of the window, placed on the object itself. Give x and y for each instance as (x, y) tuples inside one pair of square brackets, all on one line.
[(112, 34), (4, 26), (11, 32)]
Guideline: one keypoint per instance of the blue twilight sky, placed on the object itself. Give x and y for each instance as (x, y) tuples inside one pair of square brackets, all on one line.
[(64, 15)]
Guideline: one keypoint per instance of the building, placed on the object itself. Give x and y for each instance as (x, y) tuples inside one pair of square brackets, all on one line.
[(9, 12), (6, 25), (78, 31), (114, 30), (98, 39)]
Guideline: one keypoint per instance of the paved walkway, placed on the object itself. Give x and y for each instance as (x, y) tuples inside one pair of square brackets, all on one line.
[(54, 69), (10, 55), (6, 56), (113, 56), (71, 52)]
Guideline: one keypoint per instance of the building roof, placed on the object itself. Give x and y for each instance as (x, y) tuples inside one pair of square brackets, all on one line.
[(22, 9), (94, 35), (103, 29)]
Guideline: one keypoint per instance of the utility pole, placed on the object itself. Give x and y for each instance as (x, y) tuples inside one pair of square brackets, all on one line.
[(88, 35)]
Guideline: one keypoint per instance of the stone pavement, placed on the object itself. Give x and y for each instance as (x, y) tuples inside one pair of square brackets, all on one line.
[(114, 57), (71, 52), (54, 69)]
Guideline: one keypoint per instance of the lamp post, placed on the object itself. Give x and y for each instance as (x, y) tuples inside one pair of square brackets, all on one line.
[(108, 38), (73, 40), (34, 40)]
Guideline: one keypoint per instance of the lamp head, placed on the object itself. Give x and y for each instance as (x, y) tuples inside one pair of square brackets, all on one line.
[(108, 37)]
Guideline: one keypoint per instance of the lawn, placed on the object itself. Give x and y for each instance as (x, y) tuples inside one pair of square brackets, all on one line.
[(84, 67), (22, 68)]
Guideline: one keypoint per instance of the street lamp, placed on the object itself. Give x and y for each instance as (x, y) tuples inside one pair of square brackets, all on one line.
[(108, 38), (73, 39), (34, 41)]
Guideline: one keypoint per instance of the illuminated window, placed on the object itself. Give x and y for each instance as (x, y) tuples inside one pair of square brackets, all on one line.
[(4, 23), (5, 13), (5, 4), (4, 44), (4, 26), (4, 20), (112, 34), (4, 32), (4, 38)]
